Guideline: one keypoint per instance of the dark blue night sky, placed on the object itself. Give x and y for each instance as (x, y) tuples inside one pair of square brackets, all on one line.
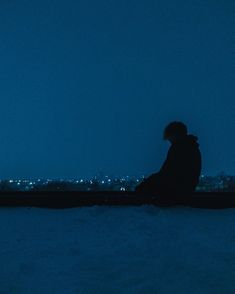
[(88, 86)]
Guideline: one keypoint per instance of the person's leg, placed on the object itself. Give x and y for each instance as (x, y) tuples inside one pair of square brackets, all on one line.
[(149, 185)]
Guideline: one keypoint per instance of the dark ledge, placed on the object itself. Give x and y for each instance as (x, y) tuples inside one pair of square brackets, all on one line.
[(63, 199)]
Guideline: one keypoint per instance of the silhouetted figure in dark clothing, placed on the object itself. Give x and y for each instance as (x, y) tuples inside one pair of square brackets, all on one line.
[(179, 175)]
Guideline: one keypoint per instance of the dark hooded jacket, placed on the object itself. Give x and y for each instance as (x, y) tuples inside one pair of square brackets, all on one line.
[(180, 172)]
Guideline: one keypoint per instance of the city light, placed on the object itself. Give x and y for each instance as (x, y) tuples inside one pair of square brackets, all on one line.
[(107, 183)]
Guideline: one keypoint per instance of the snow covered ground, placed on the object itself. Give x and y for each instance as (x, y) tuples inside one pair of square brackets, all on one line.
[(117, 250)]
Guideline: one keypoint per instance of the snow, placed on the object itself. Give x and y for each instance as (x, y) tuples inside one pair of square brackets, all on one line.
[(109, 250)]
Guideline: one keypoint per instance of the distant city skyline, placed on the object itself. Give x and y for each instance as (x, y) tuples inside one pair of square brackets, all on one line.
[(222, 183), (88, 86)]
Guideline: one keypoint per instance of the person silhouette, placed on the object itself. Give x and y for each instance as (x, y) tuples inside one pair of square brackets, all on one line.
[(180, 173)]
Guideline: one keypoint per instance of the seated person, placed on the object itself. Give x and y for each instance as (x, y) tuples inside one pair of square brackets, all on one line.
[(179, 175)]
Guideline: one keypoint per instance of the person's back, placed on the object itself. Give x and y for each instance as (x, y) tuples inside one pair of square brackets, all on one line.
[(179, 175)]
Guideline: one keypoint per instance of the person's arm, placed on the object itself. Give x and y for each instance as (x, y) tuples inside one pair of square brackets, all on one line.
[(171, 164)]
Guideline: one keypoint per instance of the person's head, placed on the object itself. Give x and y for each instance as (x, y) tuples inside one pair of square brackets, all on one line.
[(174, 131)]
